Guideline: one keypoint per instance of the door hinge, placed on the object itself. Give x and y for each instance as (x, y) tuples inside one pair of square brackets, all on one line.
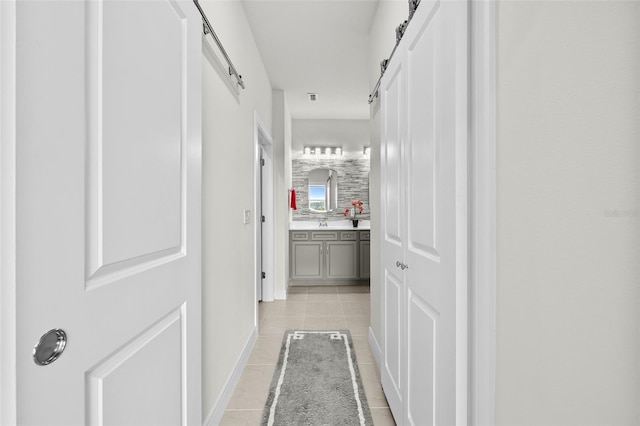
[(264, 275), (263, 219), (262, 161)]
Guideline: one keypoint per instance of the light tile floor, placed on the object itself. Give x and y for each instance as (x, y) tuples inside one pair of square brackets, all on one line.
[(307, 308)]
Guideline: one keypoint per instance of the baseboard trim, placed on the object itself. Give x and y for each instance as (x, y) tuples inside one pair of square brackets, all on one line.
[(346, 281), (215, 415), (375, 347), (281, 295)]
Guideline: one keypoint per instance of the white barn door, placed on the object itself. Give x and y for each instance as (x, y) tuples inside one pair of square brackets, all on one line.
[(108, 208), (424, 96), (393, 234)]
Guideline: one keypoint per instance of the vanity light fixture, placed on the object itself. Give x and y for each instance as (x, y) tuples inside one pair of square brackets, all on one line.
[(325, 150), (367, 150)]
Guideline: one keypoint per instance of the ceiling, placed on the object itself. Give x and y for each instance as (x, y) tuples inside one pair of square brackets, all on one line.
[(311, 46)]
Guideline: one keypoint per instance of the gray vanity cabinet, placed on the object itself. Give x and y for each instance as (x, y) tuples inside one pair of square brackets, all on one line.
[(307, 260), (326, 256), (365, 254), (342, 260)]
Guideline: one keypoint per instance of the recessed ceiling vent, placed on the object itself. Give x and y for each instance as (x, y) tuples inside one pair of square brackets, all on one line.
[(312, 96)]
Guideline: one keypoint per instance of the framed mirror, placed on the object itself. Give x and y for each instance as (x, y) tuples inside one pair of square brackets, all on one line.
[(323, 190)]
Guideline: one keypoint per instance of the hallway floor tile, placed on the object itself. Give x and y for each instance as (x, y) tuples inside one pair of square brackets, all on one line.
[(312, 307)]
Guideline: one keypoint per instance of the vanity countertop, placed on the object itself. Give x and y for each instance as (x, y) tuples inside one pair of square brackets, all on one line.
[(307, 225)]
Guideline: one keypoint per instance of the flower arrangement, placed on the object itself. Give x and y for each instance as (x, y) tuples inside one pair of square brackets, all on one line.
[(356, 207)]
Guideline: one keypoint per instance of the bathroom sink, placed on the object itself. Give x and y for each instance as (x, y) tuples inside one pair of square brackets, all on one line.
[(331, 225)]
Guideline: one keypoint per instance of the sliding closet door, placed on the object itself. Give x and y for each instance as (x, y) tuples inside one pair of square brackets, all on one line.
[(393, 235), (430, 172), (423, 182)]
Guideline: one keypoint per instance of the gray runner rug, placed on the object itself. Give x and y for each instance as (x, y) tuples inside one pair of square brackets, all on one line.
[(316, 382)]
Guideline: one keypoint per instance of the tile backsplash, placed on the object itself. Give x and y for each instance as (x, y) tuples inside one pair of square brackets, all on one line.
[(353, 184)]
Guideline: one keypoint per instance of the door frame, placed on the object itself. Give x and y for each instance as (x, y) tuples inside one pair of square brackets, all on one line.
[(8, 307), (482, 194), (263, 196)]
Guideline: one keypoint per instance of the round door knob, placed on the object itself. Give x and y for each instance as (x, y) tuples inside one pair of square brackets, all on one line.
[(398, 264), (50, 347)]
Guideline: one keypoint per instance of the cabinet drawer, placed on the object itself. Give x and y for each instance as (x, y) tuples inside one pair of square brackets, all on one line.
[(299, 236), (324, 235), (348, 235), (365, 235)]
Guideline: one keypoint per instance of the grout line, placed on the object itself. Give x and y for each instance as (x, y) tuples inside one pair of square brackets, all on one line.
[(306, 306), (249, 409)]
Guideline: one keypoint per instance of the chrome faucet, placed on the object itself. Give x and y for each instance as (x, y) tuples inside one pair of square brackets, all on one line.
[(323, 223)]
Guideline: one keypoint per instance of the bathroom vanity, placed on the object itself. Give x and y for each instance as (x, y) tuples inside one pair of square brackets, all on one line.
[(331, 256)]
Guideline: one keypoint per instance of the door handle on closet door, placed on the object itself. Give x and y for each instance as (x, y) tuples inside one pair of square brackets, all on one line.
[(401, 265)]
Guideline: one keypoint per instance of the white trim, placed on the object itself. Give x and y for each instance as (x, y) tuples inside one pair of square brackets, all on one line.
[(257, 189), (375, 348), (482, 212), (216, 413), (263, 140), (462, 156), (282, 294), (8, 307)]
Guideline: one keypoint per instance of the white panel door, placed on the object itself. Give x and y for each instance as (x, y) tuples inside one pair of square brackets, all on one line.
[(432, 62), (392, 234), (430, 166), (108, 180)]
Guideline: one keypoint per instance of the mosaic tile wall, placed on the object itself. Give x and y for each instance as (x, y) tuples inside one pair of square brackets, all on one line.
[(353, 184)]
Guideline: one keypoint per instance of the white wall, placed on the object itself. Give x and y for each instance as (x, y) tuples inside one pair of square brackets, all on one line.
[(228, 298), (568, 326), (282, 183), (382, 38), (352, 135)]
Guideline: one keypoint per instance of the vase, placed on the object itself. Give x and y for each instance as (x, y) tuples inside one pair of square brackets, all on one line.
[(355, 223)]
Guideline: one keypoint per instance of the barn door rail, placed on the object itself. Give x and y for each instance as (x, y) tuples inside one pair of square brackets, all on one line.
[(400, 30), (208, 29)]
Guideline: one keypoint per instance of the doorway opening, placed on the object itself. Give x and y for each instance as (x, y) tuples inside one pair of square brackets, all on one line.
[(264, 208)]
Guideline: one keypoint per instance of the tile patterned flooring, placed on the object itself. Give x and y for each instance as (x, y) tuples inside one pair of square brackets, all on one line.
[(307, 308)]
